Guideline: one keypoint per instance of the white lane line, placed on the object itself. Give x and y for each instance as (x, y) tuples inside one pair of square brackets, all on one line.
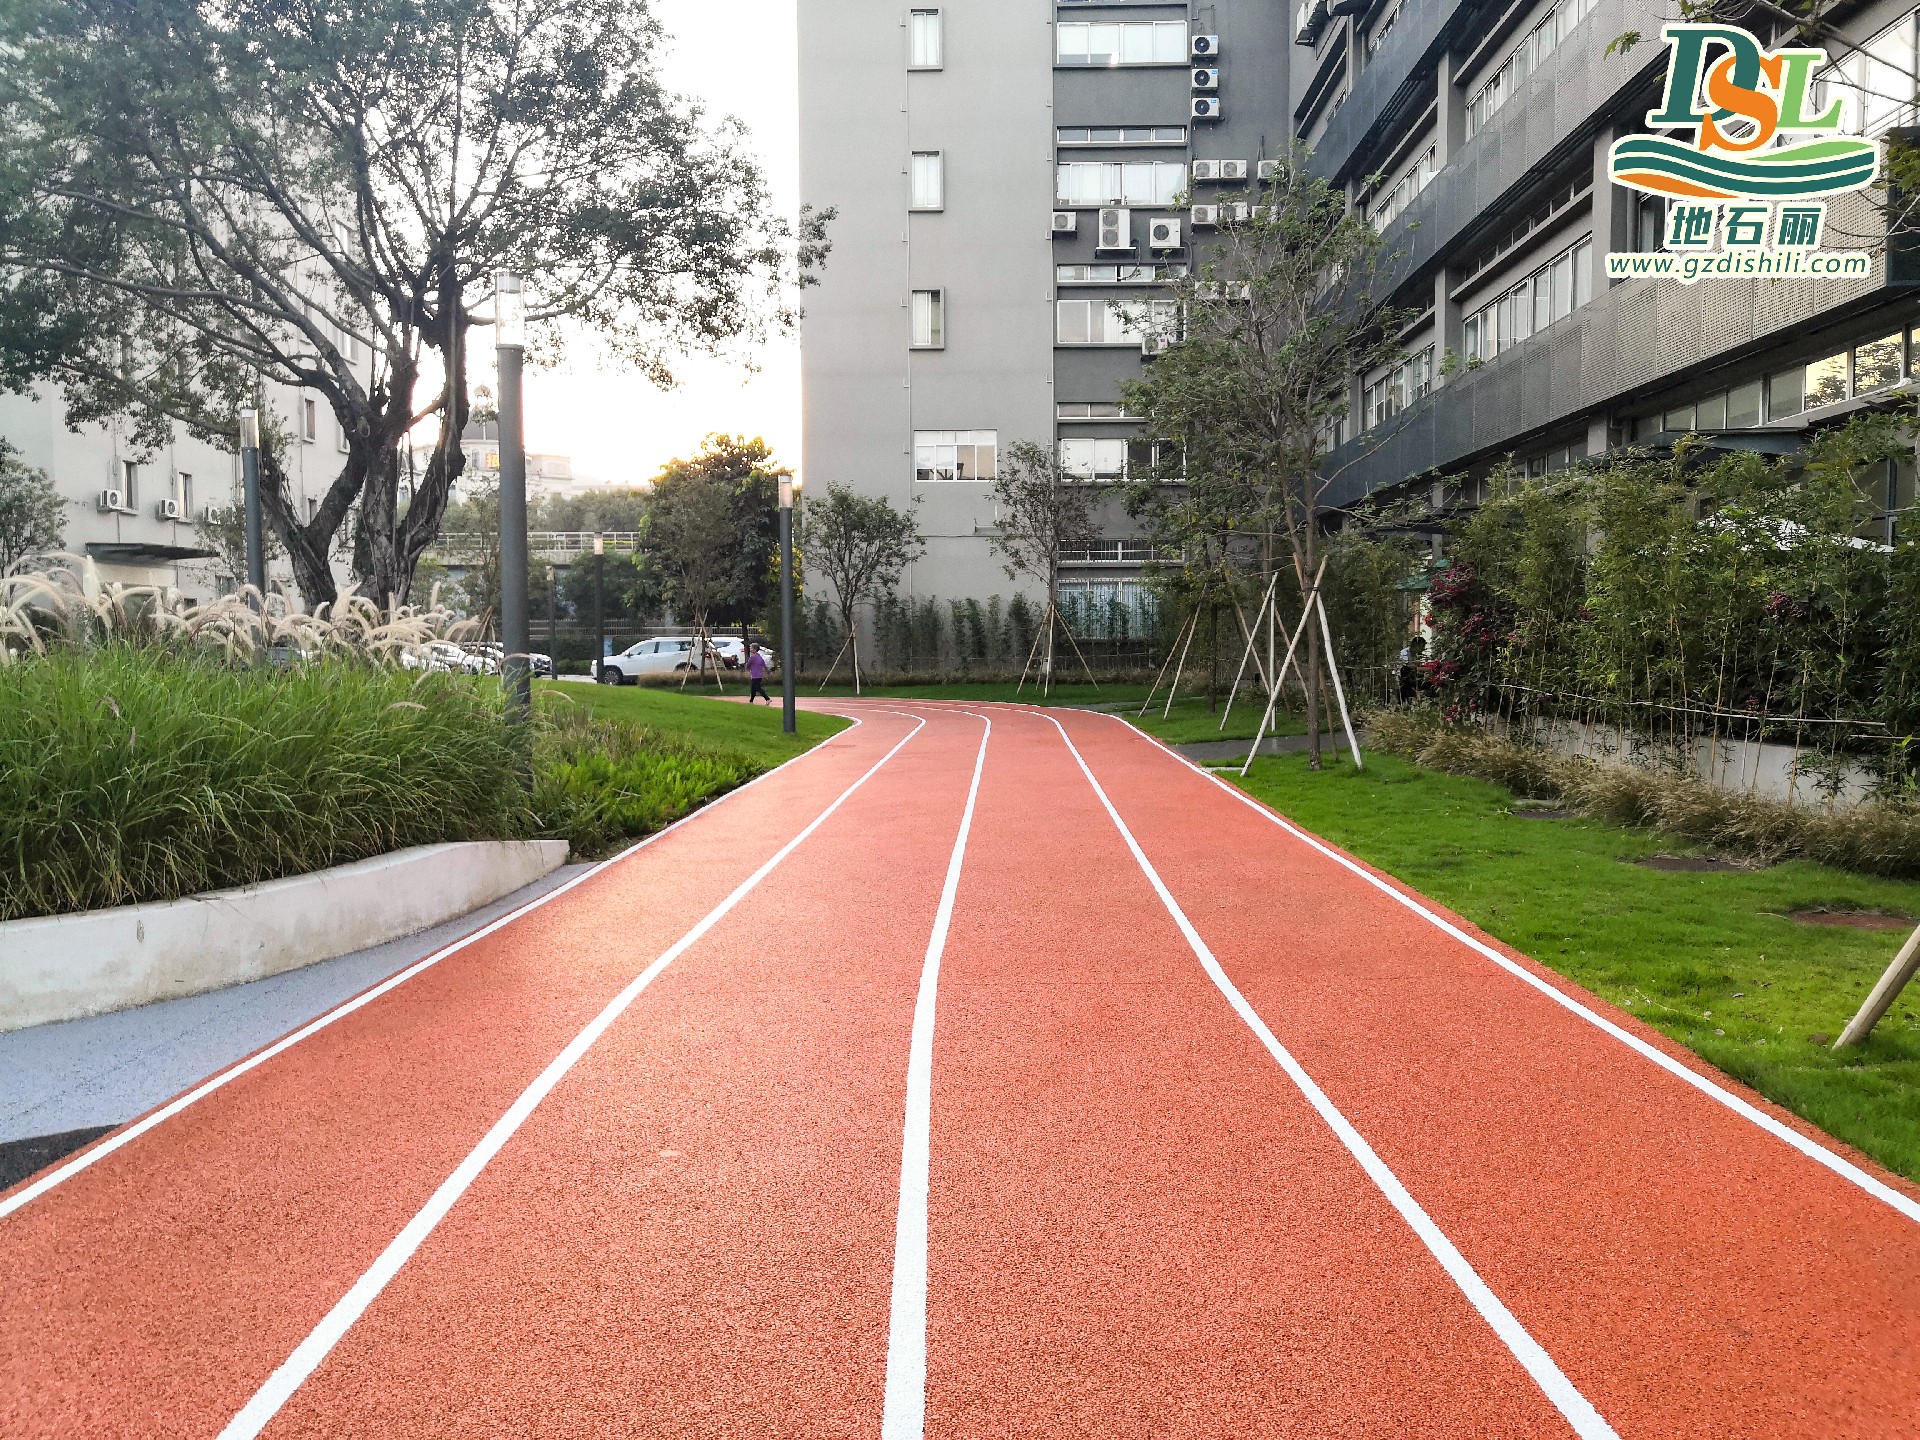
[(904, 1415), (366, 997), (1812, 1149), (1566, 1397), (306, 1357)]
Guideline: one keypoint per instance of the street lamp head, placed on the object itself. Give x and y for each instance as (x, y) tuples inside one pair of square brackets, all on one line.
[(509, 310), (787, 487), (599, 544), (249, 428)]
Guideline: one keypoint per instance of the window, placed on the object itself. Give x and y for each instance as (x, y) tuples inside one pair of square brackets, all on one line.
[(1558, 458), (1090, 459), (1743, 406), (1393, 392), (309, 420), (1120, 135), (1525, 57), (130, 484), (1161, 42), (1569, 191), (1551, 293), (1395, 198), (1879, 84), (340, 438), (923, 40), (1109, 552), (1116, 274), (313, 507), (1786, 393), (929, 180), (1876, 365), (929, 320), (1091, 410), (1110, 322), (1381, 29), (1826, 382), (1649, 224), (183, 492), (955, 454), (1108, 609), (1132, 182)]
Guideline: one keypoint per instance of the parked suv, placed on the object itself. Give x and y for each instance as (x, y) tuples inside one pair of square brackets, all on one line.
[(651, 657)]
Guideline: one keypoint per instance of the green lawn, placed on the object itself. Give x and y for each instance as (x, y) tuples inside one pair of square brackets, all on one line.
[(696, 719), (1707, 958), (1192, 721)]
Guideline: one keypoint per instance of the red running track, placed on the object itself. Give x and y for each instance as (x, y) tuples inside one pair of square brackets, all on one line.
[(957, 1083)]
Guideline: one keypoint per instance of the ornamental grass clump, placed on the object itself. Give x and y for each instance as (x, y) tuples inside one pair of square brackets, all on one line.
[(142, 773)]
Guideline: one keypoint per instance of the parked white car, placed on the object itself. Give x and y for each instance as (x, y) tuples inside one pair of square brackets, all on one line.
[(733, 650), (649, 657), (441, 655)]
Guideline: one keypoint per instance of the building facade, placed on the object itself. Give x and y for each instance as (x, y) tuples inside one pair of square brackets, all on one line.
[(1001, 171)]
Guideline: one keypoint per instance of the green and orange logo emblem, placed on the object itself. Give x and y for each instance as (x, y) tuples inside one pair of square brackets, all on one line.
[(1740, 99)]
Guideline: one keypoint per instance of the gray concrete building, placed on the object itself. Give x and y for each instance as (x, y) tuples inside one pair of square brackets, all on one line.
[(1002, 170)]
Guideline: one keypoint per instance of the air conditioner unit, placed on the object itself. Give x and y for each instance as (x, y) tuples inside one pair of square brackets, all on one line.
[(1206, 170), (1152, 344), (169, 509), (1234, 214), (1116, 230), (112, 500), (1206, 107), (1163, 234), (1066, 222), (1270, 170), (1206, 290), (1239, 290), (210, 514), (1206, 77), (1233, 170), (1206, 47), (1309, 20), (1204, 217), (1262, 212)]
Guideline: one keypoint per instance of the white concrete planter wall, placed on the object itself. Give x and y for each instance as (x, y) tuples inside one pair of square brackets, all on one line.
[(60, 967)]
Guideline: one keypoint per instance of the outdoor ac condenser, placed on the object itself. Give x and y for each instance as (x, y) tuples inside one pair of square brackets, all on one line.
[(1206, 107), (112, 500), (1066, 222), (1163, 234), (1116, 230)]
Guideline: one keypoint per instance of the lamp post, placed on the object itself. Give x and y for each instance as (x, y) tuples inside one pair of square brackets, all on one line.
[(553, 620), (250, 500), (599, 604), (510, 339), (788, 485)]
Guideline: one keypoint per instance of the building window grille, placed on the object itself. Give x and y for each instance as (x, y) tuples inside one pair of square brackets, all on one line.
[(1117, 274), (1112, 322), (1400, 387), (1396, 199), (1120, 135), (1549, 294), (955, 455), (1521, 61)]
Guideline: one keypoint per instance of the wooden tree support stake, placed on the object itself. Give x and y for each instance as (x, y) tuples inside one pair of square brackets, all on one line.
[(1273, 697), (1252, 652), (1884, 994)]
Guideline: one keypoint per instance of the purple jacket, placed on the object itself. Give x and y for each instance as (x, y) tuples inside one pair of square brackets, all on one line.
[(756, 665)]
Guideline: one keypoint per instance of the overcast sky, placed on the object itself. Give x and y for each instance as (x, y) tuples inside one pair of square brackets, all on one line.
[(739, 60)]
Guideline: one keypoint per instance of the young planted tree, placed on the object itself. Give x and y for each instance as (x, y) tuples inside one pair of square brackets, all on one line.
[(693, 545), (199, 200), (860, 544), (747, 471), (32, 514), (1042, 510), (1279, 317)]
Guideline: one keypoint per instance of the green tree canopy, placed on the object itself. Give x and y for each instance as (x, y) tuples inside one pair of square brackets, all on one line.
[(32, 514), (198, 197)]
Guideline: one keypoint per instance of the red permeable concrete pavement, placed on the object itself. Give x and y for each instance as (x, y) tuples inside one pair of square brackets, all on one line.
[(1137, 1226), (1692, 1274), (152, 1293), (693, 1235)]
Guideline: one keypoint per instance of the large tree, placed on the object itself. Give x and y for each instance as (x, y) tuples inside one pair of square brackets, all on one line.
[(200, 197), (32, 514), (747, 472), (1279, 317)]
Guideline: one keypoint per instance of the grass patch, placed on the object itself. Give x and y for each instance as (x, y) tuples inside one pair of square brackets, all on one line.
[(694, 719), (1693, 954), (1191, 721), (133, 774)]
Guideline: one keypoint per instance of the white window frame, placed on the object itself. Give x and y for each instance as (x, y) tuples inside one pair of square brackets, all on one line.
[(309, 419), (1105, 322), (937, 168), (922, 23), (1543, 37), (1131, 42), (1517, 312), (930, 306), (938, 459), (1143, 183)]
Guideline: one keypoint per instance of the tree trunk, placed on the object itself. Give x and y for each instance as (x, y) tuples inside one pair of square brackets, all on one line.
[(1313, 649), (1213, 656)]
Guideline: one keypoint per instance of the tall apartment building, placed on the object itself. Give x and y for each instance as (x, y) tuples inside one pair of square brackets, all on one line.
[(975, 154)]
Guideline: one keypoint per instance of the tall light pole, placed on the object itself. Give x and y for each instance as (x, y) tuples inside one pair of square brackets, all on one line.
[(250, 500), (510, 339), (599, 605), (787, 486)]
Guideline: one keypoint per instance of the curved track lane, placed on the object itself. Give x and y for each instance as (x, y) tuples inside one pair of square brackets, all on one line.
[(1220, 1136)]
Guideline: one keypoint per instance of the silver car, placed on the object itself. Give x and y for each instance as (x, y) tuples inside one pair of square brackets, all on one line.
[(649, 657)]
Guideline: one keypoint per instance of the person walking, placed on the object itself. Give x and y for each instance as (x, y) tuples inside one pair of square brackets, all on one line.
[(757, 673)]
